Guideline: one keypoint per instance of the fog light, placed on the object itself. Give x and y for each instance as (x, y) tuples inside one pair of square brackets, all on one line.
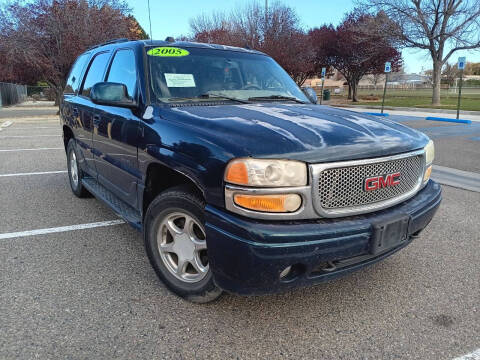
[(280, 203), (285, 272), (428, 172)]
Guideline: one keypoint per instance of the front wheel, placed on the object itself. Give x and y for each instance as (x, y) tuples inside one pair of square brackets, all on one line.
[(176, 245)]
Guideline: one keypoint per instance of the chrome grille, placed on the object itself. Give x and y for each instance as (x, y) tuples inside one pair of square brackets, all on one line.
[(341, 188)]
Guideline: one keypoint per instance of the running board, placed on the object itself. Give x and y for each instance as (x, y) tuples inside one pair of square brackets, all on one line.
[(125, 211)]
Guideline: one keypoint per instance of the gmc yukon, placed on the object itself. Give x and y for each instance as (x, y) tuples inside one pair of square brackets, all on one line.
[(237, 179)]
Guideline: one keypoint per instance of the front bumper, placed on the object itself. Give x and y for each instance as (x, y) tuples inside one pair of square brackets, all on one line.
[(248, 255)]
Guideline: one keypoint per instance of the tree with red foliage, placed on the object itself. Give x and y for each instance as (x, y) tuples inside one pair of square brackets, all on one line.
[(275, 32), (40, 40), (356, 47)]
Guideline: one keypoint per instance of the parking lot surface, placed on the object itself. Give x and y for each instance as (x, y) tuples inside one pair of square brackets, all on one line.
[(91, 293)]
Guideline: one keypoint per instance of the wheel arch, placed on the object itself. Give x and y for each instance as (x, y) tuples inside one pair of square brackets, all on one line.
[(67, 135), (160, 177)]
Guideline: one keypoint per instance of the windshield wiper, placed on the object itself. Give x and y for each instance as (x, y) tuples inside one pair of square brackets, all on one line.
[(221, 96), (277, 97), (210, 96)]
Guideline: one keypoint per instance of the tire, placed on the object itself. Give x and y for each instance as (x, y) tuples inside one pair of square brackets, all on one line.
[(174, 234), (75, 173)]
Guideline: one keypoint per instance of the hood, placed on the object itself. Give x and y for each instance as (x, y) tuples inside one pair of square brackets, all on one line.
[(310, 133)]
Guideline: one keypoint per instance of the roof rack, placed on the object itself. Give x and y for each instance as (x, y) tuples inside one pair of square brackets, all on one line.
[(113, 41)]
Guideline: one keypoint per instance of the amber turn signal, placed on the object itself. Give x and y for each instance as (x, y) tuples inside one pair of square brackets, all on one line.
[(428, 172), (280, 203)]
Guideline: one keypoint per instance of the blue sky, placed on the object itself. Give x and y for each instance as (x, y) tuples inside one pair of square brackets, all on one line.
[(171, 18)]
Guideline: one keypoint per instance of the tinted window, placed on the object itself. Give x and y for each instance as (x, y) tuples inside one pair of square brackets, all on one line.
[(95, 72), (123, 70), (74, 80)]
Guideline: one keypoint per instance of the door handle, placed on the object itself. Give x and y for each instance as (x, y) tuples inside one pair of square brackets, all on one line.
[(96, 120)]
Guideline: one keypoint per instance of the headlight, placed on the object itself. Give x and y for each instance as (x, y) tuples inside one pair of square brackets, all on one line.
[(429, 152), (266, 173)]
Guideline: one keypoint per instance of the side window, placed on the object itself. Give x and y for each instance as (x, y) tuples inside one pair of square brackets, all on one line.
[(95, 72), (124, 71), (74, 80)]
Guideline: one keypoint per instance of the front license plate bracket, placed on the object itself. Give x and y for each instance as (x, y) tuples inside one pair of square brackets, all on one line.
[(389, 233)]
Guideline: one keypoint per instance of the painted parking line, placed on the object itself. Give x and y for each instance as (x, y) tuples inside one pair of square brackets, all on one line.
[(34, 173), (29, 136), (33, 128), (60, 229), (33, 149), (6, 124), (472, 356)]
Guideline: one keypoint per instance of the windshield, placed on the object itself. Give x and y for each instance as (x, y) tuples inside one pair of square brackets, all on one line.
[(198, 74)]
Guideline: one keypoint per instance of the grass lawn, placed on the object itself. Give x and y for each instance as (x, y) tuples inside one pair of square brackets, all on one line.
[(418, 98)]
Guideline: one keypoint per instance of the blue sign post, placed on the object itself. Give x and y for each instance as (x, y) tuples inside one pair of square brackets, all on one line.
[(324, 72), (388, 68), (461, 66)]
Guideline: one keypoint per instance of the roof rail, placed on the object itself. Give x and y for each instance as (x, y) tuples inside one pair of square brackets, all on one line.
[(113, 41)]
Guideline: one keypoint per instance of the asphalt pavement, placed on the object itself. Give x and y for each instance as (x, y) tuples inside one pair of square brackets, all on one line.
[(90, 293)]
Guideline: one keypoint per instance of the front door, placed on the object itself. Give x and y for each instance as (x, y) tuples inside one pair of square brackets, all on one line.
[(116, 134)]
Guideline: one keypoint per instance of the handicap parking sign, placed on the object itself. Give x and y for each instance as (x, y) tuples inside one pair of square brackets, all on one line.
[(388, 67), (461, 62), (324, 71)]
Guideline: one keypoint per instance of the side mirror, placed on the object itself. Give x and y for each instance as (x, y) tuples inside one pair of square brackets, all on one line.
[(111, 94), (310, 94)]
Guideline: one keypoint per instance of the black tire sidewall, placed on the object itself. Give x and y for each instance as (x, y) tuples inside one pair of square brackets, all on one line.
[(167, 203)]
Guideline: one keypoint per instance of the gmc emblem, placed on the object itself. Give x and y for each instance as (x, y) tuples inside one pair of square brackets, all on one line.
[(380, 182)]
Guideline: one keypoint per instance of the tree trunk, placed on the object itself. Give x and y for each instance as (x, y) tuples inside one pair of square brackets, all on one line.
[(436, 79), (354, 91), (58, 97), (349, 90)]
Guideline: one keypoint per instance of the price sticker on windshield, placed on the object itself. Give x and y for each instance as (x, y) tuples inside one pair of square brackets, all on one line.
[(168, 51)]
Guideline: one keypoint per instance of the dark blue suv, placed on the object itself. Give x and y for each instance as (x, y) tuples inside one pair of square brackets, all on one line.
[(238, 180)]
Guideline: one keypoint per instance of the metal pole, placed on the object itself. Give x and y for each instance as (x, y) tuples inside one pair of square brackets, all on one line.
[(459, 93), (384, 90), (321, 92)]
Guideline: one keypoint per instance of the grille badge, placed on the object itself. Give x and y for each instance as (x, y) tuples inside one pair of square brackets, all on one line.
[(380, 182)]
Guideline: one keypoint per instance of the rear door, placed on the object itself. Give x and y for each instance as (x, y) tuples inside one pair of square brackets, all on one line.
[(115, 137), (87, 109), (69, 106)]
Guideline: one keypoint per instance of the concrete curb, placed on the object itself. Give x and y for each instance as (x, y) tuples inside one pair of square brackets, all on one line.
[(460, 121), (377, 114), (456, 178)]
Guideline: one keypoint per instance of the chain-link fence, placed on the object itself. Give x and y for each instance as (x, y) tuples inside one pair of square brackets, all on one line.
[(40, 93), (408, 96), (11, 94)]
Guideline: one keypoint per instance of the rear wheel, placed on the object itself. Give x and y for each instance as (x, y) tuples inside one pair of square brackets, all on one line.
[(75, 174), (176, 245)]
